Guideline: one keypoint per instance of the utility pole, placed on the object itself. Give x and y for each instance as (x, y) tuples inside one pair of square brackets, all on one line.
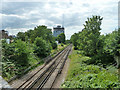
[(63, 21)]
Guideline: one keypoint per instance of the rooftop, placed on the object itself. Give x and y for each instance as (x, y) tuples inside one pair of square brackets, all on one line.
[(58, 27)]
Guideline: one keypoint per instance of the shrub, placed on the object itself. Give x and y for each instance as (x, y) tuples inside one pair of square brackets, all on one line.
[(15, 58), (41, 47), (17, 52), (54, 45), (62, 44)]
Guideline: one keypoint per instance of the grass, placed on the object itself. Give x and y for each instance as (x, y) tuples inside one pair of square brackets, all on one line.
[(59, 48), (81, 75)]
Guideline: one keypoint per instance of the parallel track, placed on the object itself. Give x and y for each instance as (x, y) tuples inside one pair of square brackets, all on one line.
[(41, 77)]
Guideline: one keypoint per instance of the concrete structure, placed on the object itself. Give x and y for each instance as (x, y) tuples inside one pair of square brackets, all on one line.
[(58, 30), (4, 34), (4, 84)]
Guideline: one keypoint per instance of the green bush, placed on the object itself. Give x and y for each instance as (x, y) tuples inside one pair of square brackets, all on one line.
[(81, 75), (22, 52), (15, 58), (54, 45), (61, 38), (101, 48), (62, 44), (17, 52), (41, 47)]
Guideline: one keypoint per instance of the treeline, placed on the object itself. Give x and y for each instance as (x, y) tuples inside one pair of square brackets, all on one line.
[(40, 31), (101, 48), (28, 48)]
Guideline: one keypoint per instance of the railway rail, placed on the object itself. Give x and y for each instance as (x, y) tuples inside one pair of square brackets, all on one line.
[(47, 74)]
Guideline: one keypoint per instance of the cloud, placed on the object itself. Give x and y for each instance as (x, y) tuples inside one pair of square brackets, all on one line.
[(23, 15), (15, 31)]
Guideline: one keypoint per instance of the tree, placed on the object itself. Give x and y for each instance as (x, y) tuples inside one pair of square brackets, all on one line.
[(17, 52), (39, 31), (117, 50), (67, 42), (110, 43), (54, 45), (61, 38), (42, 48), (44, 32), (21, 35), (29, 33), (74, 39), (89, 36), (118, 43)]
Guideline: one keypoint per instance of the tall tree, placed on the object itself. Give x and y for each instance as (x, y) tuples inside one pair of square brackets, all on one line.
[(89, 37), (21, 35), (74, 39), (41, 48), (118, 43)]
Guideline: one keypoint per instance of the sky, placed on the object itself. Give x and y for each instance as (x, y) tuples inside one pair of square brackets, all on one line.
[(20, 15)]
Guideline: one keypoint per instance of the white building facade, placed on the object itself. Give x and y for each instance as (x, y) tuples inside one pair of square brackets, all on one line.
[(58, 30)]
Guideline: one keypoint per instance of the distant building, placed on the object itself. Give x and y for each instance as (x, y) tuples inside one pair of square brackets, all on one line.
[(8, 41), (4, 34), (58, 30)]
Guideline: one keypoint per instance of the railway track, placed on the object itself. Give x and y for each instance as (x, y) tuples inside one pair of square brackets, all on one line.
[(46, 76)]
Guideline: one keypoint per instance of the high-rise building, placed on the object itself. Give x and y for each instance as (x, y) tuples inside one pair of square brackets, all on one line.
[(58, 30)]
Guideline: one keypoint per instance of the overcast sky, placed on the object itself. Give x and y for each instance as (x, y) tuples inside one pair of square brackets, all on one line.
[(18, 15)]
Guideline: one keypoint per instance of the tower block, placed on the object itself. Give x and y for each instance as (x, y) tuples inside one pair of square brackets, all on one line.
[(58, 30)]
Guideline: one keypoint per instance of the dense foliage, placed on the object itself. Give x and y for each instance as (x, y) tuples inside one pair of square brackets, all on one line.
[(94, 63), (42, 48), (16, 57), (81, 75), (117, 49), (74, 39), (54, 45), (101, 48), (26, 50), (61, 38), (39, 31), (21, 35), (89, 37)]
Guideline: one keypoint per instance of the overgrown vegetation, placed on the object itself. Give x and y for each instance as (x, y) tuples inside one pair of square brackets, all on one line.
[(41, 47), (101, 48), (27, 49), (82, 75), (61, 38), (17, 56), (96, 61)]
